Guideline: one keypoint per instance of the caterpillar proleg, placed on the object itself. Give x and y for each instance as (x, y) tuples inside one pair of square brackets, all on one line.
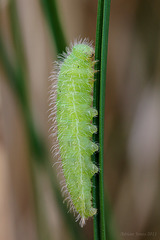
[(74, 76)]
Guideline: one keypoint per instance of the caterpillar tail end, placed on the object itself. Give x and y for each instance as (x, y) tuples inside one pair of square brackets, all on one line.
[(83, 219), (82, 222)]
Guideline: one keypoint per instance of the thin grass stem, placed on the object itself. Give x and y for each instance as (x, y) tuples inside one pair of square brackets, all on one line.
[(101, 49)]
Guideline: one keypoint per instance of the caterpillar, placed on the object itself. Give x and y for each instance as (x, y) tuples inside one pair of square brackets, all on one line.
[(72, 112)]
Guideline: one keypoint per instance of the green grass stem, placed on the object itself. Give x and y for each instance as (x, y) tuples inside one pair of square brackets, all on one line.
[(101, 49), (51, 12)]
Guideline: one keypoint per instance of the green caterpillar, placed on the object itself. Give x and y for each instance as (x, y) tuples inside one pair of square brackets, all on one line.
[(75, 77)]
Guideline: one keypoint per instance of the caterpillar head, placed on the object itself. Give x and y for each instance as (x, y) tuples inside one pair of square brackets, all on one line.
[(83, 51)]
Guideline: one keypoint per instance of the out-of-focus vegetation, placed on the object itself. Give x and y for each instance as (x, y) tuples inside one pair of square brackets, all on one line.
[(31, 204)]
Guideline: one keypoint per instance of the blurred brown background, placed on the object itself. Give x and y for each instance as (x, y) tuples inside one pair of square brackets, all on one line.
[(132, 122)]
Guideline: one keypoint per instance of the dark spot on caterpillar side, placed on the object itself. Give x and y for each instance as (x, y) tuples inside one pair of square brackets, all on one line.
[(78, 66)]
